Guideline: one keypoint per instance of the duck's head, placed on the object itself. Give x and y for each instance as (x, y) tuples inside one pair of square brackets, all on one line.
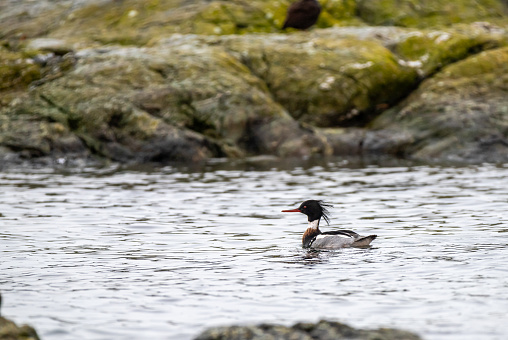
[(314, 210)]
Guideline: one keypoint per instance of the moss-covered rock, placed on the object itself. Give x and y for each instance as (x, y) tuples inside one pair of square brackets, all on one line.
[(32, 137), (461, 114), (16, 74), (429, 50), (429, 13), (346, 76), (322, 80), (183, 101), (191, 97), (93, 102), (137, 22)]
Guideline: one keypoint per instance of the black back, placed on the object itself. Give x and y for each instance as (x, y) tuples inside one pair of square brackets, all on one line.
[(342, 232)]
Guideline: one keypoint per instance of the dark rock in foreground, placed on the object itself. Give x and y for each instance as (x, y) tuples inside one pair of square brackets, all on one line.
[(10, 331), (323, 330)]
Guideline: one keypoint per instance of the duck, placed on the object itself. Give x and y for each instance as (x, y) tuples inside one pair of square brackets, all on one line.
[(314, 238), (302, 14)]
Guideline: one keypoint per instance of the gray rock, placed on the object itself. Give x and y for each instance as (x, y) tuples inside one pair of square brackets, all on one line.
[(323, 330), (460, 115)]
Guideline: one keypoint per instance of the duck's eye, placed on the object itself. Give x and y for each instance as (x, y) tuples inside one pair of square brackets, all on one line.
[(304, 207)]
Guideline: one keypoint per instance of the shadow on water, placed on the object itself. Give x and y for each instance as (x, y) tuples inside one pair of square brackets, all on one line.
[(255, 163)]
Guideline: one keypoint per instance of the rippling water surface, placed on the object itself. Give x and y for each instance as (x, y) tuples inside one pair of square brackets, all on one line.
[(165, 253)]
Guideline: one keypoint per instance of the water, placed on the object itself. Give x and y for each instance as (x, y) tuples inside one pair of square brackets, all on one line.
[(165, 253)]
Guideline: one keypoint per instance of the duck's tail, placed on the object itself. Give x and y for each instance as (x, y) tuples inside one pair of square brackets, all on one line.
[(364, 241)]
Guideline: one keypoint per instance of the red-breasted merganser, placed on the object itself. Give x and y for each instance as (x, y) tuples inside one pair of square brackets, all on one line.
[(314, 238)]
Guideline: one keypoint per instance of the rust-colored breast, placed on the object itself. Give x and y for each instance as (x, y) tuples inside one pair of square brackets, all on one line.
[(308, 236)]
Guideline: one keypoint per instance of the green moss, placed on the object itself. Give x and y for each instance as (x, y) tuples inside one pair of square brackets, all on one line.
[(431, 50), (126, 22), (340, 9), (428, 13), (460, 113), (140, 125), (16, 71), (117, 38), (328, 81), (136, 22), (492, 64), (231, 18)]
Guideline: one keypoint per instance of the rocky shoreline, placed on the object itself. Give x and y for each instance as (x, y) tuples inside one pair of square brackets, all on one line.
[(322, 330), (149, 88)]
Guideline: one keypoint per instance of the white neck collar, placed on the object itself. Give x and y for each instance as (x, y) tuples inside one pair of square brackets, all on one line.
[(314, 224)]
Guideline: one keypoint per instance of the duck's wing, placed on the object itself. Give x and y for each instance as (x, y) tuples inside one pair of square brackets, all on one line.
[(340, 239), (334, 239)]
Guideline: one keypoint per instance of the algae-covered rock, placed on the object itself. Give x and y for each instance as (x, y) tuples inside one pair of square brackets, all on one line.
[(322, 330), (16, 73), (346, 76), (94, 103), (429, 50), (461, 114), (429, 13), (183, 101), (191, 97), (325, 80), (137, 22), (35, 138), (226, 89)]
